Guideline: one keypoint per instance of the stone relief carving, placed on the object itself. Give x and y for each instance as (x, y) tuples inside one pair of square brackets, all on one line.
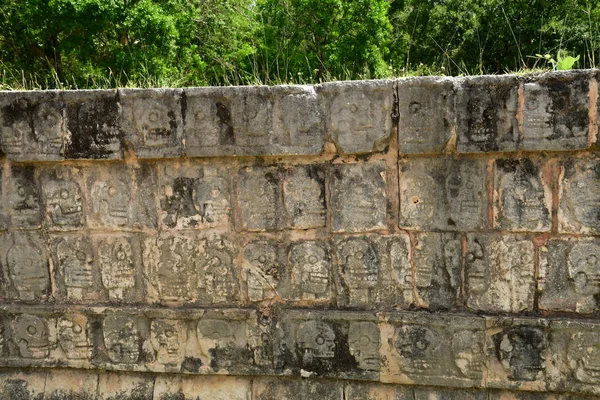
[(522, 352), (168, 337), (27, 263), (310, 266), (31, 336), (63, 201), (73, 337), (315, 340), (117, 266), (363, 342), (122, 339)]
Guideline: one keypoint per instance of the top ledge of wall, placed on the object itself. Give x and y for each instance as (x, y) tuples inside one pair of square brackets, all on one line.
[(553, 111)]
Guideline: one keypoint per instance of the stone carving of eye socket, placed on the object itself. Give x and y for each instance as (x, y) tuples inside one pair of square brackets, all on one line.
[(414, 107), (532, 104), (120, 255), (169, 333), (32, 330), (80, 255), (64, 194), (320, 340), (112, 191), (422, 344), (353, 108), (262, 259), (21, 191), (312, 259), (359, 255), (77, 329), (153, 117)]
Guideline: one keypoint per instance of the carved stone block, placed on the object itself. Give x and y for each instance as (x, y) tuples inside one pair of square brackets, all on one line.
[(518, 353), (311, 275), (120, 197), (579, 204), (119, 263), (570, 275), (438, 265), (74, 337), (555, 111), (124, 337), (329, 344), (31, 336), (575, 351), (24, 198), (443, 194), (259, 199), (499, 273), (358, 117), (297, 121), (152, 121), (358, 197), (486, 110), (62, 195), (33, 126), (426, 110), (168, 338), (232, 342), (304, 197), (194, 196), (263, 269), (277, 388), (522, 197), (25, 264), (93, 123), (440, 350), (374, 271), (191, 269)]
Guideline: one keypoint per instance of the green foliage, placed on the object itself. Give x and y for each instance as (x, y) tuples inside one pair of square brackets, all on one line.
[(313, 40), (110, 43)]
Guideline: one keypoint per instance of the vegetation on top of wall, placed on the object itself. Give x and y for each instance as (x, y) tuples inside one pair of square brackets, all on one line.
[(143, 43)]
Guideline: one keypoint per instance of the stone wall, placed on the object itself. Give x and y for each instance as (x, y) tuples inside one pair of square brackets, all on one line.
[(428, 238)]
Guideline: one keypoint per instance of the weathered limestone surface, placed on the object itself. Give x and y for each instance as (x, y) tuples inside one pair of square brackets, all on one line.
[(425, 238)]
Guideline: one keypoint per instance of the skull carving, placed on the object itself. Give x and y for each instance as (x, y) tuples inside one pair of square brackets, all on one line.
[(167, 339), (116, 264), (360, 264), (110, 201), (28, 268), (260, 262), (174, 275), (363, 340), (212, 198), (31, 335), (584, 356), (478, 280), (482, 118), (310, 270), (584, 195), (63, 203), (215, 265), (468, 353), (419, 347), (24, 197), (522, 199), (155, 122), (521, 351), (584, 268), (73, 337), (315, 340), (75, 259), (353, 119), (49, 127), (122, 339)]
